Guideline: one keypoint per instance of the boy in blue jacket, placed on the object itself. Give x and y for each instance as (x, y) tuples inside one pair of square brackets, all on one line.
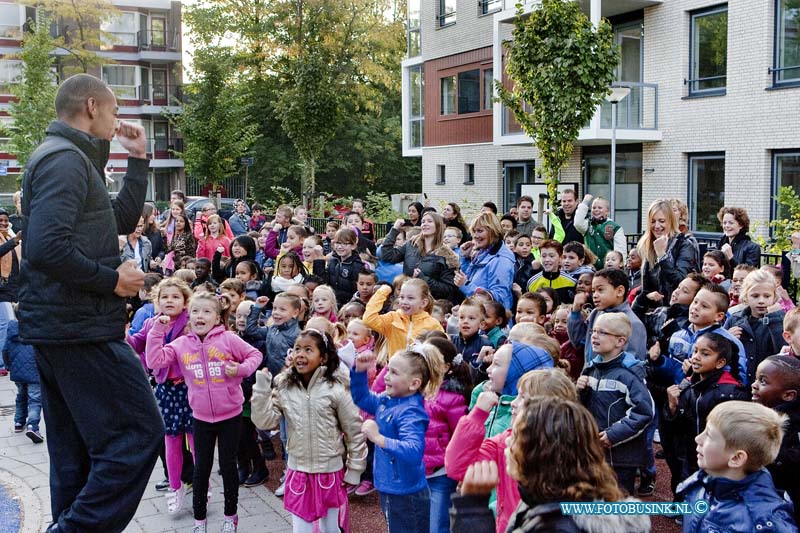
[(21, 361), (612, 388), (740, 439)]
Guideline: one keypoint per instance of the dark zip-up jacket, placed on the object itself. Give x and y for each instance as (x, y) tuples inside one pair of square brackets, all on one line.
[(437, 268), (696, 401), (71, 250), (622, 406), (342, 276), (761, 337), (744, 250)]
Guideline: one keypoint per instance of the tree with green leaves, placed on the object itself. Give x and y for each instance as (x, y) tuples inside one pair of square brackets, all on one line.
[(35, 93), (216, 122), (561, 67), (80, 33)]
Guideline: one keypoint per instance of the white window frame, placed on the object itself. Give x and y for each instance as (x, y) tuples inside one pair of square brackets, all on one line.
[(123, 91), (122, 35), (12, 31), (5, 67)]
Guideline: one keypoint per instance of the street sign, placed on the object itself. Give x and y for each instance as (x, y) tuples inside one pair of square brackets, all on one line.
[(246, 161), (4, 168)]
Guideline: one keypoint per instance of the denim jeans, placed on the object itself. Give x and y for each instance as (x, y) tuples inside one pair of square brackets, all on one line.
[(650, 432), (441, 488), (407, 513), (6, 314), (29, 405), (104, 430)]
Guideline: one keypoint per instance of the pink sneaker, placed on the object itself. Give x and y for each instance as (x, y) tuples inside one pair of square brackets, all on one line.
[(364, 488), (351, 489)]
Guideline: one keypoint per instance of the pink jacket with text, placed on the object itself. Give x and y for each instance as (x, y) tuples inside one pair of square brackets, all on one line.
[(213, 396), (468, 447)]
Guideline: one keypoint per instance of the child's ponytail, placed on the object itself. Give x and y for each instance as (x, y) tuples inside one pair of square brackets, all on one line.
[(427, 364), (458, 376)]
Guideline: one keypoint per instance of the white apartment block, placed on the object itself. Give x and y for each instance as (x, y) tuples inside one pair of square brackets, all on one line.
[(143, 68), (711, 117)]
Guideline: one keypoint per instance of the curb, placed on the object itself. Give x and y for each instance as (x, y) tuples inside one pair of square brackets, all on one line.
[(31, 519)]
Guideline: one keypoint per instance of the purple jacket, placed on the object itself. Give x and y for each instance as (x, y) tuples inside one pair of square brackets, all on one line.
[(213, 396), (444, 412), (138, 342)]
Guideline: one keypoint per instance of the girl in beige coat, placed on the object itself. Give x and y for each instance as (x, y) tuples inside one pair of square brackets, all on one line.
[(322, 422)]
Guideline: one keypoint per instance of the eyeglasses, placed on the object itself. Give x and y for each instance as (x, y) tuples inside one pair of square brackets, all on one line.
[(601, 333)]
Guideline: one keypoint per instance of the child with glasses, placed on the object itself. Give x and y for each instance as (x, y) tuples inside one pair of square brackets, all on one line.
[(612, 387)]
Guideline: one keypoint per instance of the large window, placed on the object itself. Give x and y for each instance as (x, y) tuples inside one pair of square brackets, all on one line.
[(708, 56), (10, 72), (469, 91), (706, 190), (787, 42), (122, 30), (417, 107), (414, 35), (10, 27), (122, 80), (446, 12), (786, 172)]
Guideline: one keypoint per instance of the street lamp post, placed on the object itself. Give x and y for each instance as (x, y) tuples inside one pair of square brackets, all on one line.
[(617, 95)]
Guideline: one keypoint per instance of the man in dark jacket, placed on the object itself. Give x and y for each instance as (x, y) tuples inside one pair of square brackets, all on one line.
[(103, 426)]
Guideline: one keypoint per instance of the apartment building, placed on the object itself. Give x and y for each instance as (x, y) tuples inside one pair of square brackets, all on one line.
[(710, 118), (143, 69)]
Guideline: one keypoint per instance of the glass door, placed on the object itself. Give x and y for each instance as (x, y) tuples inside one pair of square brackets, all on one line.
[(597, 165), (161, 138), (158, 33), (160, 90), (514, 175)]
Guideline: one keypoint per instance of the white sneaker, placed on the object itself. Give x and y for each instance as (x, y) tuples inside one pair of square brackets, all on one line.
[(281, 490), (657, 437), (229, 525), (175, 500), (200, 528)]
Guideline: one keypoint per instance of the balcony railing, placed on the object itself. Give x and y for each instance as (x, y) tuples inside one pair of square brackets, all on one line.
[(157, 94), (11, 32), (638, 111), (163, 147), (151, 40), (163, 95)]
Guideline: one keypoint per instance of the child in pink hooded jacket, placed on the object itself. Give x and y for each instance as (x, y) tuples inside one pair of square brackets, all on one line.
[(468, 446), (213, 362)]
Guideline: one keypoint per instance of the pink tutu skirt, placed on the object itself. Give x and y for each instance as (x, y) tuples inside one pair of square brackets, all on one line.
[(309, 496)]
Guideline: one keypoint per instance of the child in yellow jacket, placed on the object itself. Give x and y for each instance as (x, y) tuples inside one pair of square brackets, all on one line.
[(402, 327)]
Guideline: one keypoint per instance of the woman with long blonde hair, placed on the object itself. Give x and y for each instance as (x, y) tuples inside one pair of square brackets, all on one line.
[(667, 257), (425, 256)]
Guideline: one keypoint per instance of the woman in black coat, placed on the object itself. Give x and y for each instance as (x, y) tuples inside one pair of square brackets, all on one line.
[(667, 258), (426, 257), (153, 234), (736, 244), (453, 219)]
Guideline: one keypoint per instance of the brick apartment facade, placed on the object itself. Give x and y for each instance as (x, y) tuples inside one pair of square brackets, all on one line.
[(143, 69), (711, 116)]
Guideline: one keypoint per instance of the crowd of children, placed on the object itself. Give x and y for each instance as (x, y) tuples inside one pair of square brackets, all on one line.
[(374, 384)]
